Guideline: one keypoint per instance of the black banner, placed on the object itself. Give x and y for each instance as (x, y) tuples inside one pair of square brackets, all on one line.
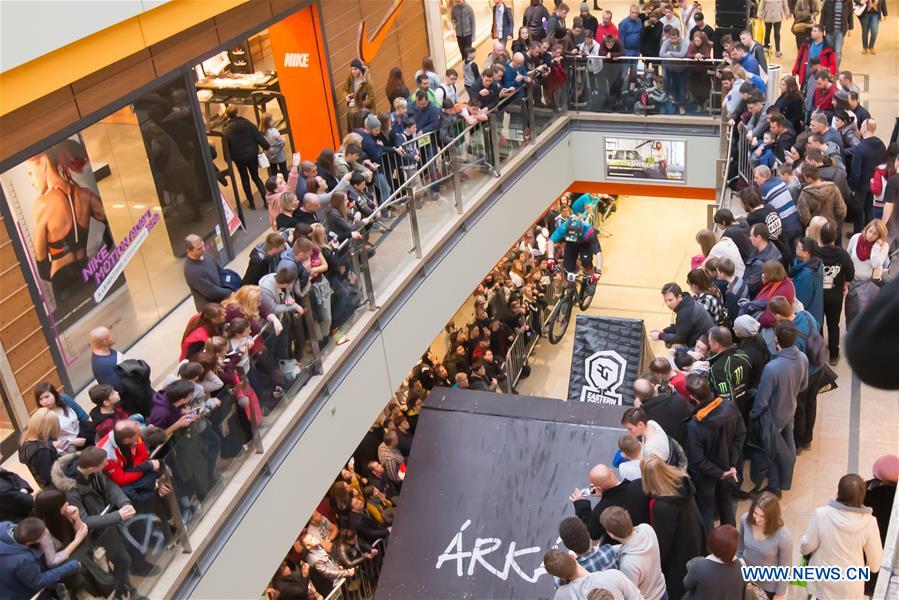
[(487, 484), (605, 360)]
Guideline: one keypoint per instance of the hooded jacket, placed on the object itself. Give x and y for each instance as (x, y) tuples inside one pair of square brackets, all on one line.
[(822, 199), (785, 375), (680, 532), (808, 279), (715, 438), (729, 374), (39, 457), (691, 321), (840, 535), (671, 411), (21, 571), (639, 561), (838, 268), (104, 422), (90, 495)]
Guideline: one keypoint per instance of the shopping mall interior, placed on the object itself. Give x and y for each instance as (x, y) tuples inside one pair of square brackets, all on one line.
[(421, 346)]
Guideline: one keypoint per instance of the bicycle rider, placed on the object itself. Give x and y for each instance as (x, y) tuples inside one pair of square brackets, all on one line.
[(581, 242)]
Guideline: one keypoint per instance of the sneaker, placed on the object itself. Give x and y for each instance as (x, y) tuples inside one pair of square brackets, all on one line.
[(864, 50), (340, 339), (834, 360), (778, 54), (871, 51)]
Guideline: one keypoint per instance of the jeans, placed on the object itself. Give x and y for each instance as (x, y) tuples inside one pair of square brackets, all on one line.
[(250, 170), (676, 84), (833, 308), (713, 496), (835, 40), (780, 472), (776, 27), (274, 168), (464, 43), (870, 24)]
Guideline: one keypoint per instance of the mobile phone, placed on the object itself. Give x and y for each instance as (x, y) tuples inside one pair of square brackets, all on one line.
[(585, 492)]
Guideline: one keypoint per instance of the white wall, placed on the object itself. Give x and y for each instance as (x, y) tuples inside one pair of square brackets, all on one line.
[(261, 539), (31, 28)]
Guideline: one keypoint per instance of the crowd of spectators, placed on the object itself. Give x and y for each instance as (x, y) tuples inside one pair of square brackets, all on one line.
[(347, 535), (747, 364)]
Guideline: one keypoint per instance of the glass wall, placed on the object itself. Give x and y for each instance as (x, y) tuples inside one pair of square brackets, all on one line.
[(102, 215)]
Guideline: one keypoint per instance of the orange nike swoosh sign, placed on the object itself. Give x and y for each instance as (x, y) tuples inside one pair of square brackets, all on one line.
[(368, 48)]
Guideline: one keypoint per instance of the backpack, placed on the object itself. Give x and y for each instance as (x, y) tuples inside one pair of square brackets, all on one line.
[(815, 346)]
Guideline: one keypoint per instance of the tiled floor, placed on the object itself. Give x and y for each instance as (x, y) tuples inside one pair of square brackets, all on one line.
[(633, 272)]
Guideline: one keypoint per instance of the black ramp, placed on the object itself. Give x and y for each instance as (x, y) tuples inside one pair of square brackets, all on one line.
[(487, 483), (605, 360)]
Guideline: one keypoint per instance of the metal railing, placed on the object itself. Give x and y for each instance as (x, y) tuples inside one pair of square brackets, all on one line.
[(645, 86)]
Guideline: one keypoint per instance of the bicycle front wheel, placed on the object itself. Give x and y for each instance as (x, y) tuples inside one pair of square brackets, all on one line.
[(586, 295), (559, 319)]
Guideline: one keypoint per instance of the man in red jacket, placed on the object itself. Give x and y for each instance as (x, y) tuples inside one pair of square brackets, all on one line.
[(824, 92), (129, 465), (815, 46)]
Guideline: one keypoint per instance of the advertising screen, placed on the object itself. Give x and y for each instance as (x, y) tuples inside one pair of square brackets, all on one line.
[(62, 222), (647, 159)]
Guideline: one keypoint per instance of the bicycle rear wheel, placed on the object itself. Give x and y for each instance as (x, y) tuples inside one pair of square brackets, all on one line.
[(560, 318)]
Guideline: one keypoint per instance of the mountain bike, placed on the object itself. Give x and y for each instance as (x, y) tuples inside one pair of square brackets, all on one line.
[(577, 291)]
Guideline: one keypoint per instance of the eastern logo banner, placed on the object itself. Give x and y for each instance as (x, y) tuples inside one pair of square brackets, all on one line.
[(605, 360)]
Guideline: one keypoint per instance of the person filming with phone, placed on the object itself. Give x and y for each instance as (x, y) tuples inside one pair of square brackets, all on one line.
[(610, 491)]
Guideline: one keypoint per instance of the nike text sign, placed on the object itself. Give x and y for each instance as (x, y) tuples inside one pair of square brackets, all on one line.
[(605, 360)]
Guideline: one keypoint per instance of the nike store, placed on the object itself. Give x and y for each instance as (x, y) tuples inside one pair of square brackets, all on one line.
[(96, 202)]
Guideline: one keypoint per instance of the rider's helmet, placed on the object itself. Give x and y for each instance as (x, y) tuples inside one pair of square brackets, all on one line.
[(574, 228)]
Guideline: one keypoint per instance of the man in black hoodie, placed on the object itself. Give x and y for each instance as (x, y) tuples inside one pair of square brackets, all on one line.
[(691, 319), (838, 272), (715, 436), (663, 405)]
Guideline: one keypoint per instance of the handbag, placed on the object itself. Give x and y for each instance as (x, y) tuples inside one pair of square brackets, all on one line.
[(263, 160), (752, 591)]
